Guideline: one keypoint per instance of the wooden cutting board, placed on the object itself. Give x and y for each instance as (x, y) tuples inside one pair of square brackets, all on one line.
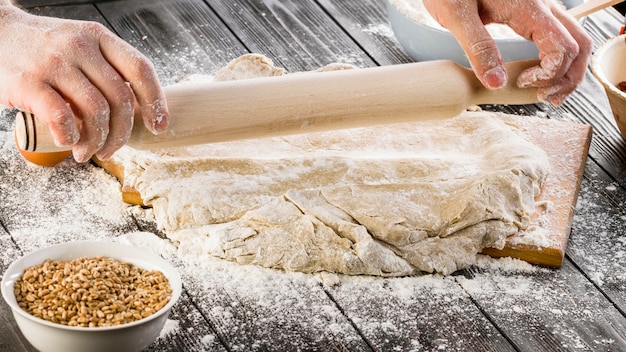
[(566, 144)]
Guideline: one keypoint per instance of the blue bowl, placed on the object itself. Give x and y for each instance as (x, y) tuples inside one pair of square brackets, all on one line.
[(424, 43)]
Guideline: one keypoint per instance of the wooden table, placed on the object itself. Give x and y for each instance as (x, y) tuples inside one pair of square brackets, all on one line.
[(494, 307)]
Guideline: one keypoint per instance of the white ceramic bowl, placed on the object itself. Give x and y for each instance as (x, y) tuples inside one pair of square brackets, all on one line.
[(48, 336), (424, 43), (608, 65)]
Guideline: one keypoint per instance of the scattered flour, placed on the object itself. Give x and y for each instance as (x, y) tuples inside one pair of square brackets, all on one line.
[(379, 29), (87, 206), (170, 327), (505, 264), (534, 236), (208, 340)]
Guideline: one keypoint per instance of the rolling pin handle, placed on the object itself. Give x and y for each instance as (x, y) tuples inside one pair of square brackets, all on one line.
[(25, 135), (32, 135)]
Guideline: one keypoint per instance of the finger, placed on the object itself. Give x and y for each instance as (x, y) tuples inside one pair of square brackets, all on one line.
[(139, 72), (91, 111), (49, 107), (557, 48), (482, 52), (120, 101), (576, 72)]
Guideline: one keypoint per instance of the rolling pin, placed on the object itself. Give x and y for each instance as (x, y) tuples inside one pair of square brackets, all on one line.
[(307, 102)]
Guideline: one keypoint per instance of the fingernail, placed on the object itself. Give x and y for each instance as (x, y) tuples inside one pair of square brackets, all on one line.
[(161, 117), (557, 100), (496, 77), (159, 124), (71, 137), (81, 158), (80, 154), (103, 156)]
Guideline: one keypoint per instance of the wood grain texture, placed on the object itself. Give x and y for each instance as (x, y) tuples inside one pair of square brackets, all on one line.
[(556, 310), (180, 37), (285, 312), (297, 34), (597, 242), (578, 307), (38, 3), (428, 315), (11, 339), (366, 23)]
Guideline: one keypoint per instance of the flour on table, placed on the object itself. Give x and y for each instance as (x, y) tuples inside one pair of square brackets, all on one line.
[(387, 200)]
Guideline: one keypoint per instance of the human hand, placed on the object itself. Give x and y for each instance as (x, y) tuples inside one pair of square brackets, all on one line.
[(80, 79), (564, 46)]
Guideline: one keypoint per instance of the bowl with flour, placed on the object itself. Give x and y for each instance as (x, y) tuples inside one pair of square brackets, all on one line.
[(118, 296), (608, 65), (424, 39)]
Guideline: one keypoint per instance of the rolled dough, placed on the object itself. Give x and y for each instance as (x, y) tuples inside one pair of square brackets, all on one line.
[(388, 200)]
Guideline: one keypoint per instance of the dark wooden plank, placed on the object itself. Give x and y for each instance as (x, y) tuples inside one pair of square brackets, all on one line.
[(181, 37), (258, 309), (297, 34), (590, 105), (186, 330), (35, 3), (597, 244), (366, 22), (548, 310), (84, 12), (429, 313), (11, 339)]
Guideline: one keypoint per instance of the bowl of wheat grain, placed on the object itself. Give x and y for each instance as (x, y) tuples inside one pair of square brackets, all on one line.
[(91, 296)]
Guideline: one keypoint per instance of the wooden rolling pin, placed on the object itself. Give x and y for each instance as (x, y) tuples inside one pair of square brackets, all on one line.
[(312, 102), (307, 102)]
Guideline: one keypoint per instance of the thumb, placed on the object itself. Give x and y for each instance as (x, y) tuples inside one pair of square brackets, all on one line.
[(481, 51)]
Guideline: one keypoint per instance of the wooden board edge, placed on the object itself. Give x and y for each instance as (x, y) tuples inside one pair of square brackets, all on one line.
[(130, 195), (551, 256)]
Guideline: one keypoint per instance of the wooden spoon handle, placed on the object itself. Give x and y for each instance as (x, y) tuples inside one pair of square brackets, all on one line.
[(309, 102)]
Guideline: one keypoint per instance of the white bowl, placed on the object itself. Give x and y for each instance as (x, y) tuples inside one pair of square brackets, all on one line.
[(424, 43), (48, 336), (608, 65)]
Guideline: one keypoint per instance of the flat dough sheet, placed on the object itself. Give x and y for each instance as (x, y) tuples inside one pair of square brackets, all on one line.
[(388, 200)]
